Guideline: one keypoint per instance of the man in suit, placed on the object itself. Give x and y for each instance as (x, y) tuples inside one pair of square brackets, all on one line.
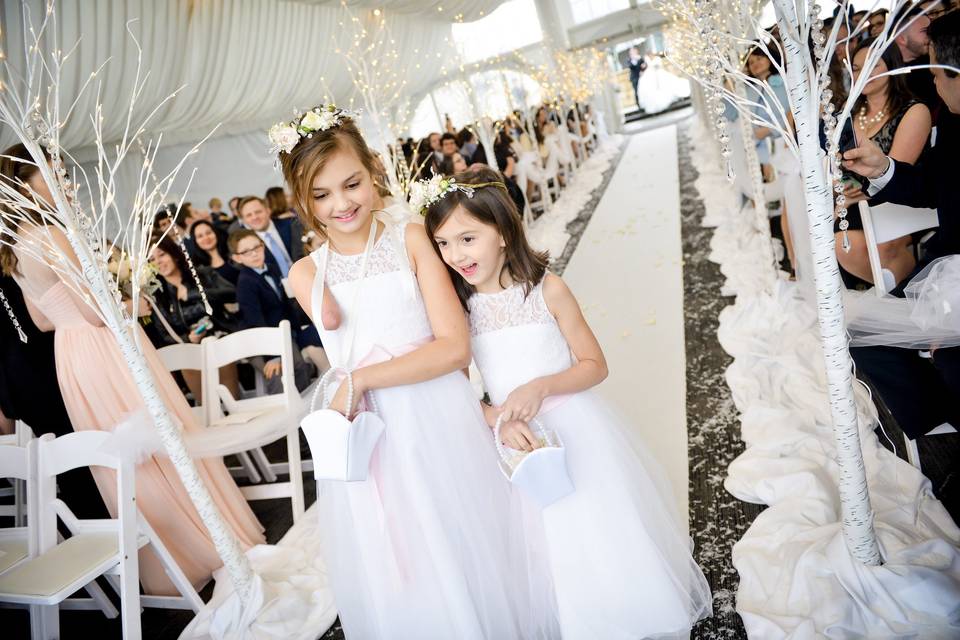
[(283, 238), (637, 66), (263, 303), (921, 389)]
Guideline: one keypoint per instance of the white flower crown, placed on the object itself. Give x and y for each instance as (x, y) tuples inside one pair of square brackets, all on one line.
[(424, 193), (284, 136)]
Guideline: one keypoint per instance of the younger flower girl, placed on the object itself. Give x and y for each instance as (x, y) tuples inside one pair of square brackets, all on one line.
[(621, 566), (425, 547)]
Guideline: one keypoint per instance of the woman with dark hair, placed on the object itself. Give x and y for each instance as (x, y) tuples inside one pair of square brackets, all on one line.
[(425, 163), (761, 66), (890, 115), (211, 249), (99, 393), (278, 203), (507, 165)]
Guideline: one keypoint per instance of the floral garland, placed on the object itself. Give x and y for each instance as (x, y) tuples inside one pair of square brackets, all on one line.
[(424, 193), (284, 136)]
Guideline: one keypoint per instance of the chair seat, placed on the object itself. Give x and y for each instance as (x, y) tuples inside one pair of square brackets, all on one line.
[(52, 572), (13, 550), (257, 429)]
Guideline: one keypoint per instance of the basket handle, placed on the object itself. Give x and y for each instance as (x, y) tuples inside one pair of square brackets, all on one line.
[(496, 434), (324, 384)]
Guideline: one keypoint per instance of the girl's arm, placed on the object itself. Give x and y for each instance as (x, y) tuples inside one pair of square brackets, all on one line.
[(912, 134), (450, 349), (590, 369)]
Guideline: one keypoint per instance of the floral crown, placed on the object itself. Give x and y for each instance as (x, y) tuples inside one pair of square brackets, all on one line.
[(424, 193), (284, 136)]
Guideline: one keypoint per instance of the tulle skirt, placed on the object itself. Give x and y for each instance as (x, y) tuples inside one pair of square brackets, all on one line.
[(622, 567), (435, 544)]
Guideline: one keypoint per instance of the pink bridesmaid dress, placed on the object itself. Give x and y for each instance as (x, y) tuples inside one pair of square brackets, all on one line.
[(99, 392)]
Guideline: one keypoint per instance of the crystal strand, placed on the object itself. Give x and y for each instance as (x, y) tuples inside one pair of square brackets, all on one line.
[(13, 317)]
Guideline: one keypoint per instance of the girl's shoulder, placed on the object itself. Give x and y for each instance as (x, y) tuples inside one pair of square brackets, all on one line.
[(554, 291)]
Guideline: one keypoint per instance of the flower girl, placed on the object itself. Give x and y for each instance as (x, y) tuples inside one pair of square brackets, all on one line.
[(621, 566), (425, 547)]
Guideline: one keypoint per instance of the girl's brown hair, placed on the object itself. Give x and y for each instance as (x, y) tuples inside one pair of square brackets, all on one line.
[(16, 169), (308, 158), (490, 204)]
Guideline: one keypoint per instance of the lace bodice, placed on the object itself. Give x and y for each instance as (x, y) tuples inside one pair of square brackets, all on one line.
[(389, 310), (515, 339), (508, 308)]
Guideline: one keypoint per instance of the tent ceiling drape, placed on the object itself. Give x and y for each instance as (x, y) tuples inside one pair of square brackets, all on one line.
[(243, 64)]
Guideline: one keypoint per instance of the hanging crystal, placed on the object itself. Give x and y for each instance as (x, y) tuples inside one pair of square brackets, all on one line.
[(13, 317)]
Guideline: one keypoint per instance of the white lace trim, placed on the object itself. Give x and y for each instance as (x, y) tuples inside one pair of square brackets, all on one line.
[(383, 259), (508, 308)]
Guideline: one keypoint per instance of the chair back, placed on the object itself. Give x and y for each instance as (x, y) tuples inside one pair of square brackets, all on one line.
[(886, 222), (249, 343), (187, 356), (741, 173)]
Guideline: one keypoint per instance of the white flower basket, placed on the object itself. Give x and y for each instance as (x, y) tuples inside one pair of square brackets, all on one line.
[(341, 448), (542, 473)]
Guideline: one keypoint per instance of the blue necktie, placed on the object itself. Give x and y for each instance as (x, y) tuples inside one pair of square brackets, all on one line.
[(278, 253)]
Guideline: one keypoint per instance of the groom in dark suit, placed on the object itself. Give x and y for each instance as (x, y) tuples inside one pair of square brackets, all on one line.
[(921, 392), (282, 238), (637, 66)]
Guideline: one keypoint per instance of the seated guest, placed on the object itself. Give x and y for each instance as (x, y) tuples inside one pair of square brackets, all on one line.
[(448, 145), (435, 146), (278, 204), (453, 164), (507, 164), (425, 164), (921, 392), (179, 304), (218, 216), (467, 141), (878, 19), (888, 114), (264, 303), (211, 247), (283, 237), (233, 204), (912, 44)]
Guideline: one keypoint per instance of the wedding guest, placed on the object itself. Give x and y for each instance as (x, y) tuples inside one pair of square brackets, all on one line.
[(264, 303), (448, 144), (467, 140), (888, 114), (233, 204), (279, 205), (912, 45), (99, 392), (211, 250), (218, 216), (920, 391), (453, 164), (282, 237), (426, 161), (435, 146), (878, 19)]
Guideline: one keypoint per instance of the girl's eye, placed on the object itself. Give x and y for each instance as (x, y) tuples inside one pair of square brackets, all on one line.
[(353, 186), (320, 196), (467, 239), (441, 243)]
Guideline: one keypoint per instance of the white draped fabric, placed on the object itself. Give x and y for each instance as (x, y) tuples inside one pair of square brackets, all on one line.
[(239, 64)]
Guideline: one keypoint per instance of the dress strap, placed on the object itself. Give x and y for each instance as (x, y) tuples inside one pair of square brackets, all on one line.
[(396, 235), (319, 257)]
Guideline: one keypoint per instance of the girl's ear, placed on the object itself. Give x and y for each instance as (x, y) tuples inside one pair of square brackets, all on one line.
[(503, 243)]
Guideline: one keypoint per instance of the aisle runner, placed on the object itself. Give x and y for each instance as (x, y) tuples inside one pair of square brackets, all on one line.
[(627, 275), (797, 579)]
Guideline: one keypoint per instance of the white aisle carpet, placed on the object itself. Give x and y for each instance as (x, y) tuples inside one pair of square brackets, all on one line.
[(627, 274)]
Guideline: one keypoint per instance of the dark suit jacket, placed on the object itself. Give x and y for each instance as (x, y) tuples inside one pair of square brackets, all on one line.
[(291, 231), (932, 183), (637, 67), (260, 306)]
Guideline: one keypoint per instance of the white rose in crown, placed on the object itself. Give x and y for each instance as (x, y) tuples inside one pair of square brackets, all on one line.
[(283, 137), (313, 121)]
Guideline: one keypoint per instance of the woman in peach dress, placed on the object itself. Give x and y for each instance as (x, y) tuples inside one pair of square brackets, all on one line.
[(99, 392)]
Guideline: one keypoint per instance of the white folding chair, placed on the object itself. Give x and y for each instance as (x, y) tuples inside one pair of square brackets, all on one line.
[(886, 222), (254, 422), (772, 191), (189, 357), (96, 548), (882, 223), (19, 438), (16, 542)]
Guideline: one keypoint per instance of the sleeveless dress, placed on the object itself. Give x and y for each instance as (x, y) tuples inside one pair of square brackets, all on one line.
[(621, 566), (99, 392), (431, 545)]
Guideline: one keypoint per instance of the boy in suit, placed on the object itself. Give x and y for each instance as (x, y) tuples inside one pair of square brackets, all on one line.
[(264, 303)]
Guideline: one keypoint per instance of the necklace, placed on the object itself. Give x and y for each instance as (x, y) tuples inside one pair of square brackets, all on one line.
[(866, 122)]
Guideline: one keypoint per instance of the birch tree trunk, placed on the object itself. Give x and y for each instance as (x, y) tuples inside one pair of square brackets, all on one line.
[(856, 512)]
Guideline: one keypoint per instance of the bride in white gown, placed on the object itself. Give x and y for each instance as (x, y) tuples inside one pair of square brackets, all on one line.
[(658, 88)]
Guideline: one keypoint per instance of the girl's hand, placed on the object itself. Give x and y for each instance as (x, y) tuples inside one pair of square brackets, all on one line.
[(339, 402), (517, 435), (524, 402)]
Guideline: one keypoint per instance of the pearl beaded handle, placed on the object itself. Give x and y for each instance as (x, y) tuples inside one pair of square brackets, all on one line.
[(496, 434), (324, 384)]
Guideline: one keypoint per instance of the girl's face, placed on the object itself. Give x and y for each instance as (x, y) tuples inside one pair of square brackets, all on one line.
[(205, 238), (166, 267), (877, 84), (459, 164), (759, 66), (343, 194), (473, 249)]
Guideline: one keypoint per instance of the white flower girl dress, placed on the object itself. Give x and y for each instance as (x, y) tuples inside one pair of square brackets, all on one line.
[(622, 567), (429, 546)]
